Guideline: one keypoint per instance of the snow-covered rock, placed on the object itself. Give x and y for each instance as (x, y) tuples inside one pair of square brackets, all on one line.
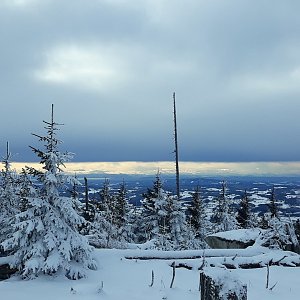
[(233, 239)]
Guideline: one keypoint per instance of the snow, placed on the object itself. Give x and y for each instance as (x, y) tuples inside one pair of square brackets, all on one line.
[(118, 278), (243, 235), (158, 254), (228, 281)]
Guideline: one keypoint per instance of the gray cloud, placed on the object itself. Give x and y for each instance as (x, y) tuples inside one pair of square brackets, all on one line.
[(110, 67)]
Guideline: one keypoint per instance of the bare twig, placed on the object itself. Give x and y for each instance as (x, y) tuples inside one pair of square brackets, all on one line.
[(273, 286), (277, 262), (234, 257)]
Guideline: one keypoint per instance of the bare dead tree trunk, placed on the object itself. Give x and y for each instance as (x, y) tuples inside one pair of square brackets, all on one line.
[(7, 151), (6, 160), (176, 149), (86, 195)]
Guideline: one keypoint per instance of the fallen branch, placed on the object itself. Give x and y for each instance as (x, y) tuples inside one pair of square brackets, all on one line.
[(181, 265), (161, 258), (250, 265)]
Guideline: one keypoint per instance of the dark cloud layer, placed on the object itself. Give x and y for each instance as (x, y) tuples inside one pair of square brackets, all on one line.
[(111, 66)]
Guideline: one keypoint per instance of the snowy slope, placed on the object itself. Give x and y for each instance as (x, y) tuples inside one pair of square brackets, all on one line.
[(130, 279)]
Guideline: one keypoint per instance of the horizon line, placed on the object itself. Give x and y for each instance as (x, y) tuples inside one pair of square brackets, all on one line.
[(291, 168)]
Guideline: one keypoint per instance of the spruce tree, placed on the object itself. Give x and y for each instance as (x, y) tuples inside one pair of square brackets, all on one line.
[(223, 217), (297, 229), (163, 219), (267, 219), (103, 227), (122, 215), (121, 206), (243, 214), (154, 211), (46, 239), (197, 220), (176, 221), (196, 213), (89, 208), (110, 227), (136, 224), (106, 200), (9, 200), (74, 189), (273, 205), (26, 189)]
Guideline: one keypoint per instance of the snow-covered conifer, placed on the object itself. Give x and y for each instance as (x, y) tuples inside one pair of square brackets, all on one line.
[(154, 210), (273, 205), (279, 234), (106, 230), (110, 227), (121, 206), (9, 200), (136, 222), (26, 189), (197, 220), (106, 199), (122, 210), (244, 217), (107, 208), (176, 223), (297, 229), (197, 214), (163, 219), (46, 239), (223, 218)]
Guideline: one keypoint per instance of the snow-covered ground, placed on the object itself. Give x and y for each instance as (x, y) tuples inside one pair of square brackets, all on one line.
[(118, 278)]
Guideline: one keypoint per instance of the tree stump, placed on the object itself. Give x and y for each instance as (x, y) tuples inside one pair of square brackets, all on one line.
[(6, 271), (220, 285)]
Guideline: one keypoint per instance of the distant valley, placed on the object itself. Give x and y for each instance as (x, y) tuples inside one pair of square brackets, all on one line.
[(287, 189)]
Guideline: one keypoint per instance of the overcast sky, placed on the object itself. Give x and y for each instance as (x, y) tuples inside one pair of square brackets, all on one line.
[(110, 68)]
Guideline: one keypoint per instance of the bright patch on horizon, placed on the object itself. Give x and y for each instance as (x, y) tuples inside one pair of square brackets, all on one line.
[(168, 167)]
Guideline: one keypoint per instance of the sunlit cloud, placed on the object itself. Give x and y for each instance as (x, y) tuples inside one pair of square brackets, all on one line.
[(92, 67), (107, 68), (18, 3)]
